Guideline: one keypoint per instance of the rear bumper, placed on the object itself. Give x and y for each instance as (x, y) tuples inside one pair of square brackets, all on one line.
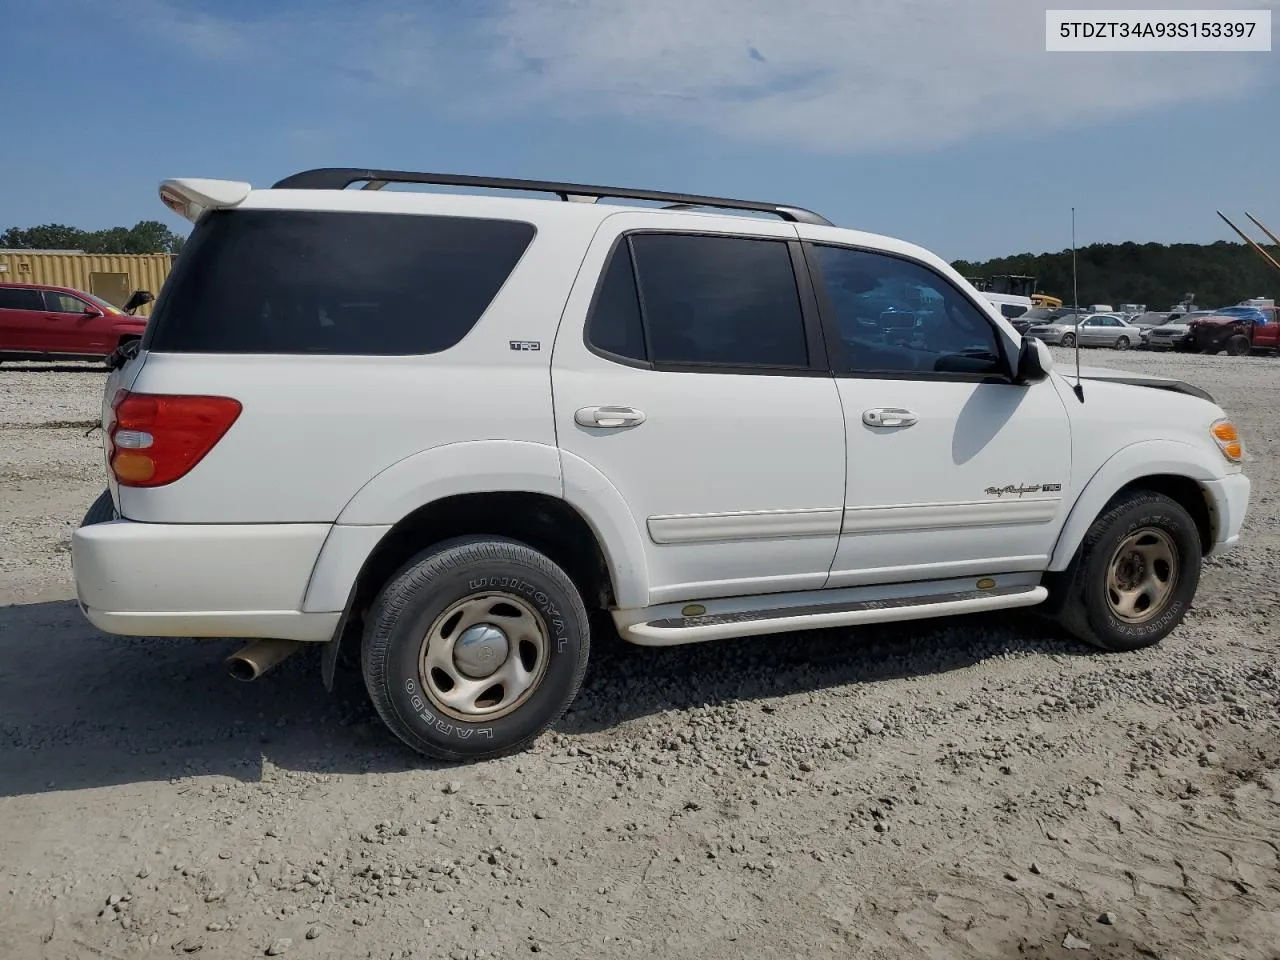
[(200, 580), (1229, 498)]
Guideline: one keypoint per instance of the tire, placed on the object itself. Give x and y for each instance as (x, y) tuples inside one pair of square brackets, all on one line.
[(1122, 343), (1068, 340), (103, 510), (1238, 346), (1151, 522), (498, 582)]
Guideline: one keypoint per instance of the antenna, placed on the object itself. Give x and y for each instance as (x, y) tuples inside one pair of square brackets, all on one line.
[(1075, 298)]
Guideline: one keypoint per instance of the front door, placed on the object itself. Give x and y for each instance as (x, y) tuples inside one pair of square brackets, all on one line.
[(701, 393), (953, 470), (74, 326)]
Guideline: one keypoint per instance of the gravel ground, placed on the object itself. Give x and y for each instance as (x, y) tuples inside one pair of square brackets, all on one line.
[(970, 788)]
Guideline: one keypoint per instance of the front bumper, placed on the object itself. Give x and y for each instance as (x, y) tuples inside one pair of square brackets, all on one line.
[(200, 580), (1229, 501)]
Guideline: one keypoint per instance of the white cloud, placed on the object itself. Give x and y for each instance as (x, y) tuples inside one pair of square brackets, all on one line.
[(823, 75)]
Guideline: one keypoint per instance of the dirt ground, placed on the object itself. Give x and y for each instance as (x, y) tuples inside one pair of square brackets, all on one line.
[(973, 788)]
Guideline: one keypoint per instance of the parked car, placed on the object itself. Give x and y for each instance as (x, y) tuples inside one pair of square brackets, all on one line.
[(1038, 316), (1107, 330), (61, 323), (1237, 330), (442, 428), (1091, 329), (1168, 335)]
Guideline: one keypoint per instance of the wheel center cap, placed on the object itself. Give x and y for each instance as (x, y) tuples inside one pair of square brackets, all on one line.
[(480, 651)]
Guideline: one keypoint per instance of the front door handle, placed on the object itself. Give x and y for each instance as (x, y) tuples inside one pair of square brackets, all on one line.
[(608, 417), (888, 417)]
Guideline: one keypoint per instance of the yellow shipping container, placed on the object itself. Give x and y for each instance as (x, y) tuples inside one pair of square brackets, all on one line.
[(113, 277)]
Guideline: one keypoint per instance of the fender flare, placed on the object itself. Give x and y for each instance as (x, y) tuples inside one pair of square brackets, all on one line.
[(1145, 458), (496, 466)]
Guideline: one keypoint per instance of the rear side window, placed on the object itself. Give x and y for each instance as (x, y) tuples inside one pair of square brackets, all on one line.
[(20, 300), (700, 301), (1011, 310), (306, 282)]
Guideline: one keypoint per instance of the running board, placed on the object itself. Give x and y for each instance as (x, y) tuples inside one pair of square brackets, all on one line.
[(715, 626)]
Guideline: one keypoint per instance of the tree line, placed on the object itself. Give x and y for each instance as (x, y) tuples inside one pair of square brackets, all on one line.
[(145, 236), (1156, 274)]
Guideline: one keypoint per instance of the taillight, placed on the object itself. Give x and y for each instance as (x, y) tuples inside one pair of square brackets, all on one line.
[(157, 438)]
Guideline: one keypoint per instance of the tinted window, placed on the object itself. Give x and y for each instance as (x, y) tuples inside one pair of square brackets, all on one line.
[(720, 300), (615, 325), (259, 281), (897, 316), (20, 300), (64, 302), (1012, 310)]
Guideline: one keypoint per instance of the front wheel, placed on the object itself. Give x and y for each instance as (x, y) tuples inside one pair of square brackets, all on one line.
[(1068, 339), (1122, 343), (1238, 345), (475, 648), (1135, 574)]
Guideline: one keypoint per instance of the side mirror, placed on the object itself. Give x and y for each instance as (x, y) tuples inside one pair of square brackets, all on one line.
[(1034, 361), (90, 312), (139, 298)]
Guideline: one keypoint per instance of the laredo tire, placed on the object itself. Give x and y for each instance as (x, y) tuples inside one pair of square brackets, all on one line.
[(474, 648), (102, 510), (1135, 574)]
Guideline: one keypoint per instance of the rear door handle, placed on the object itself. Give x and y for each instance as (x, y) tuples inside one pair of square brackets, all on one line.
[(608, 417), (888, 417)]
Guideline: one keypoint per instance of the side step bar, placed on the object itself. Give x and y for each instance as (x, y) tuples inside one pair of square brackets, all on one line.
[(715, 626)]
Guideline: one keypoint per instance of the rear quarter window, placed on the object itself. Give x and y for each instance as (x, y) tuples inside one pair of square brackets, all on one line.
[(308, 282)]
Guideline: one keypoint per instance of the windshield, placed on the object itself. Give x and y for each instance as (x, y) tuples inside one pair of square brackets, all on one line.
[(100, 303)]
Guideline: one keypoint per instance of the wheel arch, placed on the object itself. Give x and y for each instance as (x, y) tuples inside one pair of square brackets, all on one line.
[(1170, 467)]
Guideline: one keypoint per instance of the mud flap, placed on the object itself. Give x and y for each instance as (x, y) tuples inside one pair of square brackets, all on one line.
[(329, 657)]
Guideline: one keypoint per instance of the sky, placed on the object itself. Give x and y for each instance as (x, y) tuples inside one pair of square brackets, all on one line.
[(943, 122)]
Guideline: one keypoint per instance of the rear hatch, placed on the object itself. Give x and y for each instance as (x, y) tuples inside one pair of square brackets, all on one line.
[(294, 354)]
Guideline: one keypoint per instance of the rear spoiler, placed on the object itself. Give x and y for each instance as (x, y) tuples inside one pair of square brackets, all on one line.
[(191, 198)]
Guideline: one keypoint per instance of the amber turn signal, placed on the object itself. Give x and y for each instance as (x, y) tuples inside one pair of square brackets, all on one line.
[(1228, 440)]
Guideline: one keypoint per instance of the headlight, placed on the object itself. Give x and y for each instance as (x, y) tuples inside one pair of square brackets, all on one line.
[(1227, 438)]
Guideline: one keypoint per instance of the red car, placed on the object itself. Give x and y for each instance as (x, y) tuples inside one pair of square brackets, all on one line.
[(39, 322)]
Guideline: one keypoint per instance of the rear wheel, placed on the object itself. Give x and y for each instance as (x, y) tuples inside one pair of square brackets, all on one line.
[(1238, 345), (1134, 576), (103, 510), (1068, 339), (1122, 343), (475, 648)]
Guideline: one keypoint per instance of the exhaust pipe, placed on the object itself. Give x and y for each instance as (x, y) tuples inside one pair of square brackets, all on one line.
[(254, 659)]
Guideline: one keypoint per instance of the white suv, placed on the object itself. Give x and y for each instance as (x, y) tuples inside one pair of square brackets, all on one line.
[(446, 426)]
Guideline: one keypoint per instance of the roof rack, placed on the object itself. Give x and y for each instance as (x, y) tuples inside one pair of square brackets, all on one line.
[(339, 178)]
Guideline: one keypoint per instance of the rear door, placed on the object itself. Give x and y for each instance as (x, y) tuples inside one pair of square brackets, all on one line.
[(701, 392), (22, 321)]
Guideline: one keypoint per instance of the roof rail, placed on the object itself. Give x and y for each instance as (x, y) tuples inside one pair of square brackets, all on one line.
[(339, 178)]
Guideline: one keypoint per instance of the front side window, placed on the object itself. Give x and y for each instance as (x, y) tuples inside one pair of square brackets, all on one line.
[(893, 315), (64, 303)]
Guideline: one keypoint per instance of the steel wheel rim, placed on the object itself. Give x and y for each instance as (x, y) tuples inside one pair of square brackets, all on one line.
[(1142, 575), (471, 675)]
